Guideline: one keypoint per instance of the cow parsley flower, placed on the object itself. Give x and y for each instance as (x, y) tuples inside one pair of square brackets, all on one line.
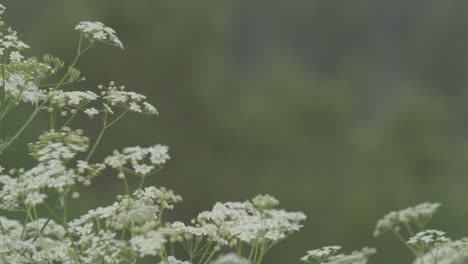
[(91, 112), (233, 223), (9, 40), (149, 244), (231, 258), (453, 252), (73, 99), (320, 255), (99, 32), (59, 145), (329, 255), (265, 202), (427, 240), (417, 216), (16, 56), (142, 160), (17, 85), (118, 97), (141, 212)]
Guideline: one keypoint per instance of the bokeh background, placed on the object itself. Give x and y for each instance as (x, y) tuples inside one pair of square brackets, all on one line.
[(341, 109)]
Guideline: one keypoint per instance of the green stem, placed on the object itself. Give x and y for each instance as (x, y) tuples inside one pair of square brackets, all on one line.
[(65, 207), (51, 214), (20, 131), (210, 257), (398, 235), (98, 140), (127, 190), (3, 229), (205, 252)]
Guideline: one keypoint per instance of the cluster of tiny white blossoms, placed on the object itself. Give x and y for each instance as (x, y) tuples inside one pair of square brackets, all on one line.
[(412, 217), (142, 161), (236, 225), (97, 31), (330, 255), (117, 97), (409, 226), (230, 258), (452, 252), (320, 255), (427, 239)]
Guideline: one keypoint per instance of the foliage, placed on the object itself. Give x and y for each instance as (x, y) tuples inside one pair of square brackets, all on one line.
[(133, 227)]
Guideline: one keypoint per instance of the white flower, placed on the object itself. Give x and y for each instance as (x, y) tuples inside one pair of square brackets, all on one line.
[(418, 215), (231, 258), (427, 240), (15, 56), (320, 255), (449, 253), (173, 260), (150, 108), (98, 31), (117, 97), (142, 160), (17, 85), (234, 222), (91, 112), (329, 255), (149, 244)]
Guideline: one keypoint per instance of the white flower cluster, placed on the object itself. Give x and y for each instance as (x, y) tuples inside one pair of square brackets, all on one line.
[(143, 161), (53, 151), (233, 223), (28, 244), (75, 99), (11, 45), (148, 244), (17, 85), (330, 255), (417, 216), (453, 252), (99, 32), (173, 260), (428, 239), (117, 96), (61, 145), (139, 215), (231, 258), (320, 255)]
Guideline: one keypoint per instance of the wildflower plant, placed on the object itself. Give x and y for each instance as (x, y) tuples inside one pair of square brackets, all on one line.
[(134, 227)]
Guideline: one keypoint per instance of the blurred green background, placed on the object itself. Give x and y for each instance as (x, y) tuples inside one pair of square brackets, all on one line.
[(342, 109)]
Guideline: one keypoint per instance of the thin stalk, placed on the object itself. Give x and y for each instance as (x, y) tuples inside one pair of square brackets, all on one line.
[(205, 252), (46, 223), (98, 140), (3, 229), (398, 235), (20, 131), (210, 257), (127, 190), (65, 207)]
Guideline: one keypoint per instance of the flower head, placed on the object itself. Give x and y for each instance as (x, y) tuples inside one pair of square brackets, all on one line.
[(99, 32)]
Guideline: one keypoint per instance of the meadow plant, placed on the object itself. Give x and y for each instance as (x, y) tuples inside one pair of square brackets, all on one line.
[(134, 228)]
